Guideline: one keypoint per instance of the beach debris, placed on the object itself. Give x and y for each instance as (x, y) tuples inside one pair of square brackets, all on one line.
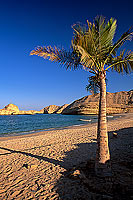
[(114, 134), (78, 174)]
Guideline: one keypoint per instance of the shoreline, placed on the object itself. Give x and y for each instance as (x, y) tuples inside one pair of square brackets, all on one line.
[(32, 132)]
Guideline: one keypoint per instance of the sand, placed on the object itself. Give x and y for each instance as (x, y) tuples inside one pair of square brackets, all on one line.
[(51, 164)]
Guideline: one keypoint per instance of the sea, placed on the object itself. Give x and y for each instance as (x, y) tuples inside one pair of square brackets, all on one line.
[(26, 124)]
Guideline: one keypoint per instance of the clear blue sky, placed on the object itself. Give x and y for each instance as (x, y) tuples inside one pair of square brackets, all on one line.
[(31, 82)]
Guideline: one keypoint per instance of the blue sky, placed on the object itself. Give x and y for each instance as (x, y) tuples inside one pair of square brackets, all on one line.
[(31, 82)]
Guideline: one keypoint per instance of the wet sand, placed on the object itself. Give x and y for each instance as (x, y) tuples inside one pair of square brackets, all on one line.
[(34, 166)]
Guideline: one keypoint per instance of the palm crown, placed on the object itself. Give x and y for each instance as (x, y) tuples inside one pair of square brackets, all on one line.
[(93, 49)]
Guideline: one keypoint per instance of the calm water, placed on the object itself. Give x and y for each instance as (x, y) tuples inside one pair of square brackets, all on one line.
[(20, 124)]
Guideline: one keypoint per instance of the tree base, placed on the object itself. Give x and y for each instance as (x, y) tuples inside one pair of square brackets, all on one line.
[(84, 184), (103, 170)]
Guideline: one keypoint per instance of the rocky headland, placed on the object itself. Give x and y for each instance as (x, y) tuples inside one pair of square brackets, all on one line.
[(119, 102)]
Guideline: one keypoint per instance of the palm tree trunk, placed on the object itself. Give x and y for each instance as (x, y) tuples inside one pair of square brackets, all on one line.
[(102, 164)]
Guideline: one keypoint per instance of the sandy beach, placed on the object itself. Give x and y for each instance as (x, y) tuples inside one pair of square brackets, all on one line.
[(52, 164)]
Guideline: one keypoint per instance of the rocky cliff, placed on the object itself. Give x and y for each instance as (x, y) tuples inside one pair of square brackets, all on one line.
[(119, 102), (60, 110), (51, 109)]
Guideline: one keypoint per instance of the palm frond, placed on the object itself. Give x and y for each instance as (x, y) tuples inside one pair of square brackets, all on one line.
[(94, 84), (83, 37), (128, 35), (79, 29), (87, 60), (70, 59), (96, 38), (122, 63), (106, 31)]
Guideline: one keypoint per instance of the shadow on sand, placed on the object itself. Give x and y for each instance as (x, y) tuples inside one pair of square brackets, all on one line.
[(79, 182), (69, 156)]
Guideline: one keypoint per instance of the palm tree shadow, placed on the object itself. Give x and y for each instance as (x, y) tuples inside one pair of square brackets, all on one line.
[(72, 158), (56, 162)]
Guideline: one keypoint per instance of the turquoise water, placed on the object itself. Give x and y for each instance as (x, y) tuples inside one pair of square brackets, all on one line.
[(20, 124), (13, 124)]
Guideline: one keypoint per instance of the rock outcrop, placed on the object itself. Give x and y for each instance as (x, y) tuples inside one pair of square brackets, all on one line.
[(119, 102), (60, 110), (51, 109), (12, 109)]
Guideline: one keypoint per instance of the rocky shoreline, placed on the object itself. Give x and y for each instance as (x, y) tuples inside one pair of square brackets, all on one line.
[(58, 164)]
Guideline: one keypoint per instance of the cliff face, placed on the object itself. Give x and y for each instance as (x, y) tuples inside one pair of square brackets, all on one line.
[(119, 102), (59, 111)]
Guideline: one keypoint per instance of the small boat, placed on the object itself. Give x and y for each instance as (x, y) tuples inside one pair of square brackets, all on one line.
[(85, 120), (110, 116)]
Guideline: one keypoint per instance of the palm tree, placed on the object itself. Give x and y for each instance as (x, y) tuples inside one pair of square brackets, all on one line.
[(92, 48)]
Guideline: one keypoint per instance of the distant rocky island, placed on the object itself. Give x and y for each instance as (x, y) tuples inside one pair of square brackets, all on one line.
[(119, 102)]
